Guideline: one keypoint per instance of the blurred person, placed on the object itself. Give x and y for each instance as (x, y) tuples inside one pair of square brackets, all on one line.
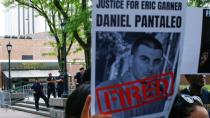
[(50, 86), (186, 106), (196, 87), (78, 104), (86, 111), (87, 76), (76, 101), (79, 76), (38, 93)]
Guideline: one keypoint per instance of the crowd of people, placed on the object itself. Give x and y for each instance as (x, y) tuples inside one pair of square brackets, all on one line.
[(37, 89), (189, 102), (54, 84)]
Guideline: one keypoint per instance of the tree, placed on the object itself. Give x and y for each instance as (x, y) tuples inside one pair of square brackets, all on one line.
[(198, 3), (56, 21), (67, 20), (79, 23)]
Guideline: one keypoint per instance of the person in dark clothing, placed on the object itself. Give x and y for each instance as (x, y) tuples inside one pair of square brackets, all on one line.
[(76, 101), (50, 86), (38, 93), (186, 106), (87, 76), (60, 85), (197, 82), (79, 76)]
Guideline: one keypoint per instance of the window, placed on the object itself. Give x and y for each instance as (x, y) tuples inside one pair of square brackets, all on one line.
[(27, 57)]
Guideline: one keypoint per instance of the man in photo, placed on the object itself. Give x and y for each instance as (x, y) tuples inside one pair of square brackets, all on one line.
[(146, 60)]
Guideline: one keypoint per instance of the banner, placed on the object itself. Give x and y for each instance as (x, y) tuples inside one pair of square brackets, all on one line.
[(136, 45)]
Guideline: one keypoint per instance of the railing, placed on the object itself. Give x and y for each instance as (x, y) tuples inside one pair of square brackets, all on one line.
[(5, 99), (26, 90)]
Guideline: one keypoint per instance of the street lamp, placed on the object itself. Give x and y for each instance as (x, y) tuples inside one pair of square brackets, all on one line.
[(9, 48)]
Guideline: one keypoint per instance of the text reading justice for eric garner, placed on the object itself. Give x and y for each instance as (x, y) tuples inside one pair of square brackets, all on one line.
[(121, 19)]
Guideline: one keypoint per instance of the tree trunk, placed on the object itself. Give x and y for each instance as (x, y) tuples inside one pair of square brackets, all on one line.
[(63, 60), (87, 57), (59, 58), (64, 53)]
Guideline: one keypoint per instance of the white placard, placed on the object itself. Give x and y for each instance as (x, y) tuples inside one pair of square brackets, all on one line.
[(135, 56)]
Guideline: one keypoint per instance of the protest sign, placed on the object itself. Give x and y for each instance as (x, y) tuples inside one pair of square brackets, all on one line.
[(204, 57), (196, 50), (195, 58), (136, 45)]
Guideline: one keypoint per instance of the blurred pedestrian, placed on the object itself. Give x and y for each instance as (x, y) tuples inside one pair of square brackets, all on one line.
[(79, 76)]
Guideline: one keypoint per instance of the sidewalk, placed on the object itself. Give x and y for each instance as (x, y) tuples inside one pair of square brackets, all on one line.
[(10, 113)]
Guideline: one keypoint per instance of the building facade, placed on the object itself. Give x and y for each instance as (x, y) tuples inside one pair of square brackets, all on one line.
[(23, 21), (28, 34), (29, 60)]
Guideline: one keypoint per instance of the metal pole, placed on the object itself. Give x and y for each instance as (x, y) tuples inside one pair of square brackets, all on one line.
[(10, 80)]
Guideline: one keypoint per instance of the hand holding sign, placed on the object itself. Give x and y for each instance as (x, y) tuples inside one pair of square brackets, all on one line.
[(86, 110)]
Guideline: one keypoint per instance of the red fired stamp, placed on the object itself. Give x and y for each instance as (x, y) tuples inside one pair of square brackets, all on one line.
[(134, 94)]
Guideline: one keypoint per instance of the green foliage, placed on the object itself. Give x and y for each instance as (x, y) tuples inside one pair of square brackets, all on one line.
[(68, 21), (77, 49), (8, 3), (80, 21), (207, 87), (56, 13), (198, 3)]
